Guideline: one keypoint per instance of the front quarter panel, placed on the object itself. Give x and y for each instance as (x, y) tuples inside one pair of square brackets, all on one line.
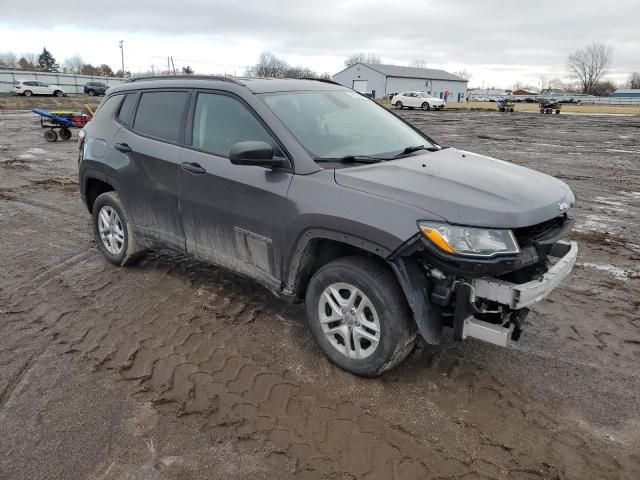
[(320, 208)]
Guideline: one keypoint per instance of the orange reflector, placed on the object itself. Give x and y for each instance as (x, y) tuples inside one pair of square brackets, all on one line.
[(437, 239)]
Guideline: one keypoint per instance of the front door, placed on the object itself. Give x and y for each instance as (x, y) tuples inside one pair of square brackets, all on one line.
[(232, 214)]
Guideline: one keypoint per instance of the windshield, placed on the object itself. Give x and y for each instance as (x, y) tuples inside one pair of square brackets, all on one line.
[(335, 124)]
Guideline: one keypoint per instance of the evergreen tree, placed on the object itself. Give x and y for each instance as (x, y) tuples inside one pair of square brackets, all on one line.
[(46, 62)]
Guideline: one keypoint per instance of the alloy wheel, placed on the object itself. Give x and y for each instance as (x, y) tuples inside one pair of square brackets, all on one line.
[(111, 231), (349, 320)]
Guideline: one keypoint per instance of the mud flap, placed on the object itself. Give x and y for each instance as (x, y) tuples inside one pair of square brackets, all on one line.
[(414, 285)]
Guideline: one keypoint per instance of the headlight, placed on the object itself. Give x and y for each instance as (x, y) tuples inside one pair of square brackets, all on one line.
[(469, 241)]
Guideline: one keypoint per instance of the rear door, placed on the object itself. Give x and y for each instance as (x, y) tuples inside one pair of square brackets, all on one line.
[(232, 214), (148, 145), (44, 89)]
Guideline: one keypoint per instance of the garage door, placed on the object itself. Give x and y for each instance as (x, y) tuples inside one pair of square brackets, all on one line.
[(360, 86)]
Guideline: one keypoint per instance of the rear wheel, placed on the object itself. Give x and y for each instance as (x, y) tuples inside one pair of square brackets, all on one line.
[(50, 135), (65, 133), (358, 316), (426, 106), (113, 231), (399, 105), (92, 93), (28, 93)]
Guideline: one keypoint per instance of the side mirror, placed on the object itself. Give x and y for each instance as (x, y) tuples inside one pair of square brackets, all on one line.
[(259, 154)]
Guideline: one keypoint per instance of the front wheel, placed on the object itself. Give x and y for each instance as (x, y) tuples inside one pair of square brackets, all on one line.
[(58, 93), (426, 106), (399, 105), (113, 231), (359, 316), (92, 93)]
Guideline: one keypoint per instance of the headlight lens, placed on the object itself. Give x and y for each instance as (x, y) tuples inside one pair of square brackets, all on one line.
[(469, 241)]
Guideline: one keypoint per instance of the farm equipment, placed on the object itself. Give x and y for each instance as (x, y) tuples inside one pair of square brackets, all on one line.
[(549, 106), (504, 105), (61, 121)]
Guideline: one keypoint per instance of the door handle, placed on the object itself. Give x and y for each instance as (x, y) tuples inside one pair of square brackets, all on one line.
[(123, 147), (193, 168)]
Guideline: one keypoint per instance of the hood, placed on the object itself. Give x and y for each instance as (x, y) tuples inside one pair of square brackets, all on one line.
[(464, 188)]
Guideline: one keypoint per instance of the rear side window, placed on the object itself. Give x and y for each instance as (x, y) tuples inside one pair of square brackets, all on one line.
[(221, 121), (108, 108), (160, 114), (124, 116)]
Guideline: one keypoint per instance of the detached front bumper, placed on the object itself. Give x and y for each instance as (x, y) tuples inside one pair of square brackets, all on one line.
[(517, 296), (514, 296)]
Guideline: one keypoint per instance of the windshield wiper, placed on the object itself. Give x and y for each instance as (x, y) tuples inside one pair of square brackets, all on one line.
[(350, 159), (415, 148)]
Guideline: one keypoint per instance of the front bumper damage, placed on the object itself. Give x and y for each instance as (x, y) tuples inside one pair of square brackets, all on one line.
[(515, 297)]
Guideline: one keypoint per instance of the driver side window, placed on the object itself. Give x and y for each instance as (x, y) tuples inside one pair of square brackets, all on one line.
[(221, 121)]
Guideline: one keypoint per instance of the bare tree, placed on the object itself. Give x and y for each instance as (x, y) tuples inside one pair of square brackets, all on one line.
[(361, 57), (9, 59), (418, 63), (271, 66), (604, 88), (634, 80), (268, 66), (464, 73), (589, 64), (72, 64)]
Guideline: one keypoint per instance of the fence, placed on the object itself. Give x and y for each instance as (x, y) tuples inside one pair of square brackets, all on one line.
[(70, 84), (582, 98)]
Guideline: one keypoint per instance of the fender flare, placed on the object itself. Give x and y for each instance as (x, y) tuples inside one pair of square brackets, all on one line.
[(294, 272)]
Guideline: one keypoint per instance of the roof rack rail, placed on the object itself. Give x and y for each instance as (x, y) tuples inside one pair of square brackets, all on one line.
[(183, 77), (323, 80)]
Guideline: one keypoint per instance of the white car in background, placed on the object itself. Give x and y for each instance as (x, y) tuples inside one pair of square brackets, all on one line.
[(417, 100), (35, 87)]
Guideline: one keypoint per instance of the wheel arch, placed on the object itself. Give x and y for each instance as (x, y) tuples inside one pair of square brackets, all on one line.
[(315, 248), (94, 184)]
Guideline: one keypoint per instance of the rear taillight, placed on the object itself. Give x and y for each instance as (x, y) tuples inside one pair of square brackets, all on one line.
[(81, 136), (18, 87)]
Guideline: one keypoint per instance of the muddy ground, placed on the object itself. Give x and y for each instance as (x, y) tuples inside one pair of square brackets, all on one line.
[(176, 369)]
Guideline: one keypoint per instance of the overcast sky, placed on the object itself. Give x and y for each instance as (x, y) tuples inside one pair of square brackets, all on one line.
[(499, 42)]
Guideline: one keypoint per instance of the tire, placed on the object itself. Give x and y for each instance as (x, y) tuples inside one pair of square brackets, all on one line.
[(557, 112), (122, 248), (376, 291), (65, 134), (426, 106), (27, 93), (50, 135), (542, 110), (92, 93), (399, 105), (58, 93), (501, 109)]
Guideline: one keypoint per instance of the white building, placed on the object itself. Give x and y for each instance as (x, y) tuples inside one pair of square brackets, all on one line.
[(383, 80)]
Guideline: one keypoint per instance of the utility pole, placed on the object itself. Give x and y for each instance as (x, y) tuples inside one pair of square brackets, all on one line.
[(122, 55)]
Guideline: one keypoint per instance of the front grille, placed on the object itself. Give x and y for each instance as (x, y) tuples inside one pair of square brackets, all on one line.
[(545, 232)]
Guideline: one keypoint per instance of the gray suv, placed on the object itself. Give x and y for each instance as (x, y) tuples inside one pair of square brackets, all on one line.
[(325, 197)]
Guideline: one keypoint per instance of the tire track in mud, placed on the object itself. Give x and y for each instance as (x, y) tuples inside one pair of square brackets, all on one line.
[(186, 357)]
